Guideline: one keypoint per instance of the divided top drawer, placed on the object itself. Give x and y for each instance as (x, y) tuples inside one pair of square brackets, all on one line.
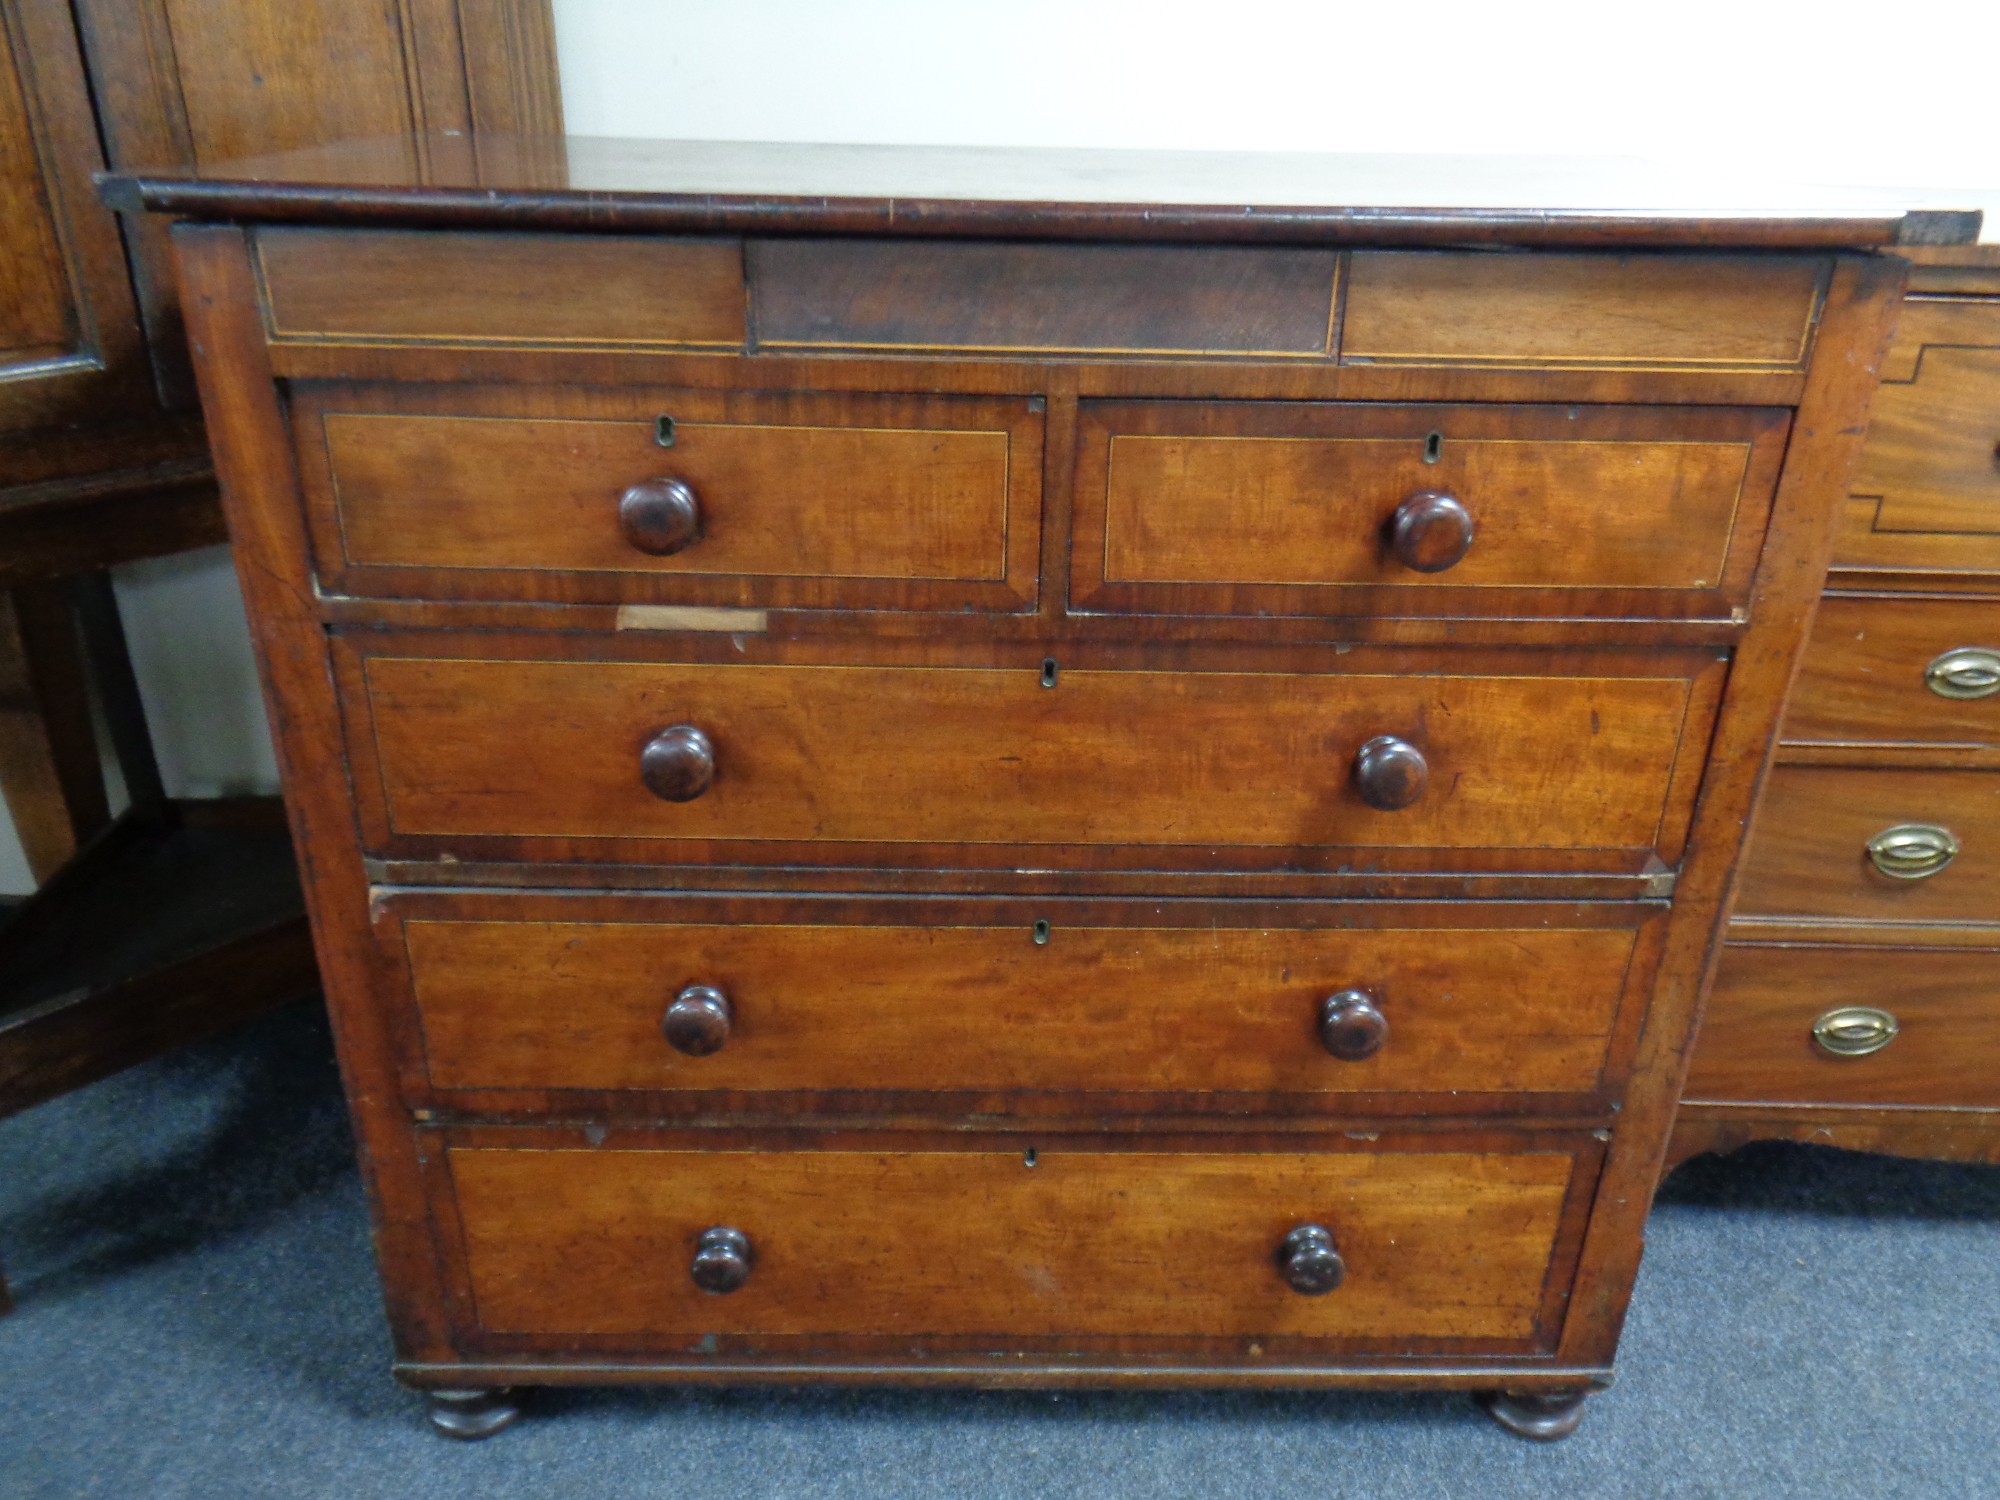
[(605, 495)]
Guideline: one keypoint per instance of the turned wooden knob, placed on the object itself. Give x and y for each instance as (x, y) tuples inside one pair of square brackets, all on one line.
[(1350, 1027), (1430, 531), (1309, 1262), (697, 1023), (1390, 773), (677, 764), (722, 1260), (659, 516)]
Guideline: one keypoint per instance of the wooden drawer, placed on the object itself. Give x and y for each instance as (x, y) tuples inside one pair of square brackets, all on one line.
[(1809, 856), (1926, 494), (1054, 1242), (1294, 508), (928, 996), (813, 761), (1655, 312), (402, 287), (1898, 672), (1757, 1043), (859, 501)]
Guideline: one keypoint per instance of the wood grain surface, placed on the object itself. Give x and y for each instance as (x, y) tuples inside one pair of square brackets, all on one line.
[(1756, 1037), (1445, 1246), (492, 493), (372, 286), (1926, 495), (1658, 312), (1807, 854), (949, 755), (936, 1005), (1607, 498), (1205, 301), (1863, 681)]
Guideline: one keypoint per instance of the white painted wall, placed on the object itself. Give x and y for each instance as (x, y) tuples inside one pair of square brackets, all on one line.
[(1833, 91)]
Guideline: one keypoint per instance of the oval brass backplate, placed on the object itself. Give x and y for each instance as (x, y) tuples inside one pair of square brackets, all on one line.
[(1854, 1030), (1965, 672), (1912, 851)]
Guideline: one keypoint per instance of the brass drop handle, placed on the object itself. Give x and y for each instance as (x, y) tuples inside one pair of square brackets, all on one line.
[(1965, 672), (1390, 773), (722, 1260), (1350, 1026), (1430, 531), (1854, 1030), (678, 764), (1309, 1261), (660, 516), (1912, 851), (697, 1023)]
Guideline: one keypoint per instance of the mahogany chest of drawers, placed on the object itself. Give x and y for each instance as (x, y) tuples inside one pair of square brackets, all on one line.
[(1858, 1002), (1018, 789)]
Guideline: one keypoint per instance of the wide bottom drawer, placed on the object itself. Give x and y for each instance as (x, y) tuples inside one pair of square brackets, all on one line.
[(1930, 1019), (1004, 1245)]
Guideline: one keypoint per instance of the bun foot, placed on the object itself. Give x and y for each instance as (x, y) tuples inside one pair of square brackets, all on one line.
[(469, 1415), (1539, 1416)]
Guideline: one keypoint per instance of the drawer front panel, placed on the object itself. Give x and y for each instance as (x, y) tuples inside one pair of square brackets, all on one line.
[(486, 493), (1669, 312), (1898, 672), (1289, 507), (1444, 1246), (1926, 492), (832, 755), (935, 1003), (1808, 852), (405, 287), (1757, 1042), (1209, 301)]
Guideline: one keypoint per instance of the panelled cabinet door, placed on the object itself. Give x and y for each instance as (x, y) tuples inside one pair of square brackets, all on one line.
[(70, 349)]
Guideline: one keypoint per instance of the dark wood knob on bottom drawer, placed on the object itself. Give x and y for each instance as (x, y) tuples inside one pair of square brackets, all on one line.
[(1350, 1027), (697, 1023), (677, 764), (1430, 532), (722, 1260), (1390, 773), (1309, 1262), (659, 516)]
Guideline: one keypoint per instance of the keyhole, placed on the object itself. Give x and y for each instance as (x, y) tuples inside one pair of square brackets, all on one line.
[(1048, 671), (1028, 1157), (663, 431), (1042, 932), (1433, 447)]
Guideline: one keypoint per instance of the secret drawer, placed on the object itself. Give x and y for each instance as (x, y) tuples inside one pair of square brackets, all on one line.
[(1321, 1004), (1900, 672), (1296, 508), (586, 495), (710, 761), (1879, 845), (755, 1250), (1789, 1023)]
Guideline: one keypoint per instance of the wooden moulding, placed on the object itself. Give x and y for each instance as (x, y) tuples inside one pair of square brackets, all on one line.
[(1971, 1135)]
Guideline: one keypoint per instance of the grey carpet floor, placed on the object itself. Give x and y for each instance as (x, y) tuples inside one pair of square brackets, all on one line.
[(198, 1317)]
